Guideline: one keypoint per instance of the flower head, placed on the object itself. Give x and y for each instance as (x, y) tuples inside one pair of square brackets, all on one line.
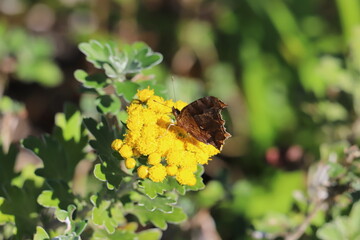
[(126, 151), (157, 173), (169, 149), (116, 144), (154, 158), (130, 163), (145, 94), (186, 177), (171, 170), (143, 171)]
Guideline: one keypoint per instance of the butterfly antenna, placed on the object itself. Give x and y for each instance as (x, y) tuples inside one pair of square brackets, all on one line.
[(161, 103), (173, 86)]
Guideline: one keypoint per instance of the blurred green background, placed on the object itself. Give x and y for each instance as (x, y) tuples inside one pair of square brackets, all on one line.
[(289, 71)]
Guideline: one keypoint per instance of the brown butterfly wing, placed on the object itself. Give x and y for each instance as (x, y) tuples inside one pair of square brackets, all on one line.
[(202, 119)]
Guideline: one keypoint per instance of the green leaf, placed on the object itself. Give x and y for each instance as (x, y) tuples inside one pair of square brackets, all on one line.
[(123, 116), (173, 184), (221, 80), (157, 217), (53, 156), (21, 203), (333, 230), (117, 64), (199, 181), (47, 73), (342, 227), (28, 173), (150, 234), (103, 214), (5, 218), (213, 193), (253, 199), (118, 234), (95, 52), (74, 228), (108, 104), (97, 81), (61, 215), (38, 70), (79, 227), (328, 151), (152, 189), (7, 163), (275, 223), (41, 234), (8, 105), (104, 135), (33, 57), (115, 72), (67, 237), (98, 172), (336, 170), (127, 89), (62, 192), (140, 57), (107, 57), (331, 111), (161, 203), (354, 221), (46, 199), (64, 149), (127, 234), (70, 124)]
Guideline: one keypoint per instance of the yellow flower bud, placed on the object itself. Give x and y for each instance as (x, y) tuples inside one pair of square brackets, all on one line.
[(145, 94), (171, 170), (116, 144), (186, 177), (157, 173), (154, 158), (143, 171), (130, 163), (126, 151)]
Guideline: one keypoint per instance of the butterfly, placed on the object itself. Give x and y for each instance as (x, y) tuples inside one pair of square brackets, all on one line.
[(202, 120)]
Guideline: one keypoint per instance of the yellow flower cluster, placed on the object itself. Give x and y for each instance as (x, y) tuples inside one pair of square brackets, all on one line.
[(151, 132)]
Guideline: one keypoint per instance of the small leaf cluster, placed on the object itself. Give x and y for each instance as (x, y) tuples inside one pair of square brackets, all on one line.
[(117, 65), (28, 57), (332, 190), (119, 69), (14, 195), (342, 227)]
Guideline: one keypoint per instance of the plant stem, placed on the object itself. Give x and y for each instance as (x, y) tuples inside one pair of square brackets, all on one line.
[(301, 229)]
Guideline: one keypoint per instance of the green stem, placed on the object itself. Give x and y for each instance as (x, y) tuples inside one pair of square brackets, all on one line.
[(126, 187), (302, 228)]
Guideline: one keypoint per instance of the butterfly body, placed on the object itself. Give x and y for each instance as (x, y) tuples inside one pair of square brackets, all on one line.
[(202, 119)]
